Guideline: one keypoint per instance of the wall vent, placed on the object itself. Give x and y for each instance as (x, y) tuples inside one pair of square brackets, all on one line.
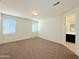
[(57, 3)]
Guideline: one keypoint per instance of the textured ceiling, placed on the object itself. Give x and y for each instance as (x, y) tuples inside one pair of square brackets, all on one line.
[(45, 8)]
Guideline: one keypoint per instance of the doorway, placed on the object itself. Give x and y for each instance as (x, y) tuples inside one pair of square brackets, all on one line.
[(70, 32)]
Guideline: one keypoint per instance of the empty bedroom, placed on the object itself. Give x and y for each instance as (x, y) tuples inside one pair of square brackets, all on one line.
[(39, 29)]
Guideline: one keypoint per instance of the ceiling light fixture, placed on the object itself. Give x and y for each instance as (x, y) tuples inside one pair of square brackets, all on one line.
[(35, 12)]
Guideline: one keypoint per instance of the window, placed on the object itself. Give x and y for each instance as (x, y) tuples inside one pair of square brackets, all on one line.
[(9, 26), (34, 26)]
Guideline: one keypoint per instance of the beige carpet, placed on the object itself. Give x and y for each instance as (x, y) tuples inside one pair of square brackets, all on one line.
[(35, 48)]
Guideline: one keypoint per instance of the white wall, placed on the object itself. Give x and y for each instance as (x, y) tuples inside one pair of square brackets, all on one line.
[(76, 12), (77, 31), (52, 29), (23, 30)]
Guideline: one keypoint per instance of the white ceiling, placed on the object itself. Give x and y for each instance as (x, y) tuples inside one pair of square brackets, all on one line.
[(45, 8)]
